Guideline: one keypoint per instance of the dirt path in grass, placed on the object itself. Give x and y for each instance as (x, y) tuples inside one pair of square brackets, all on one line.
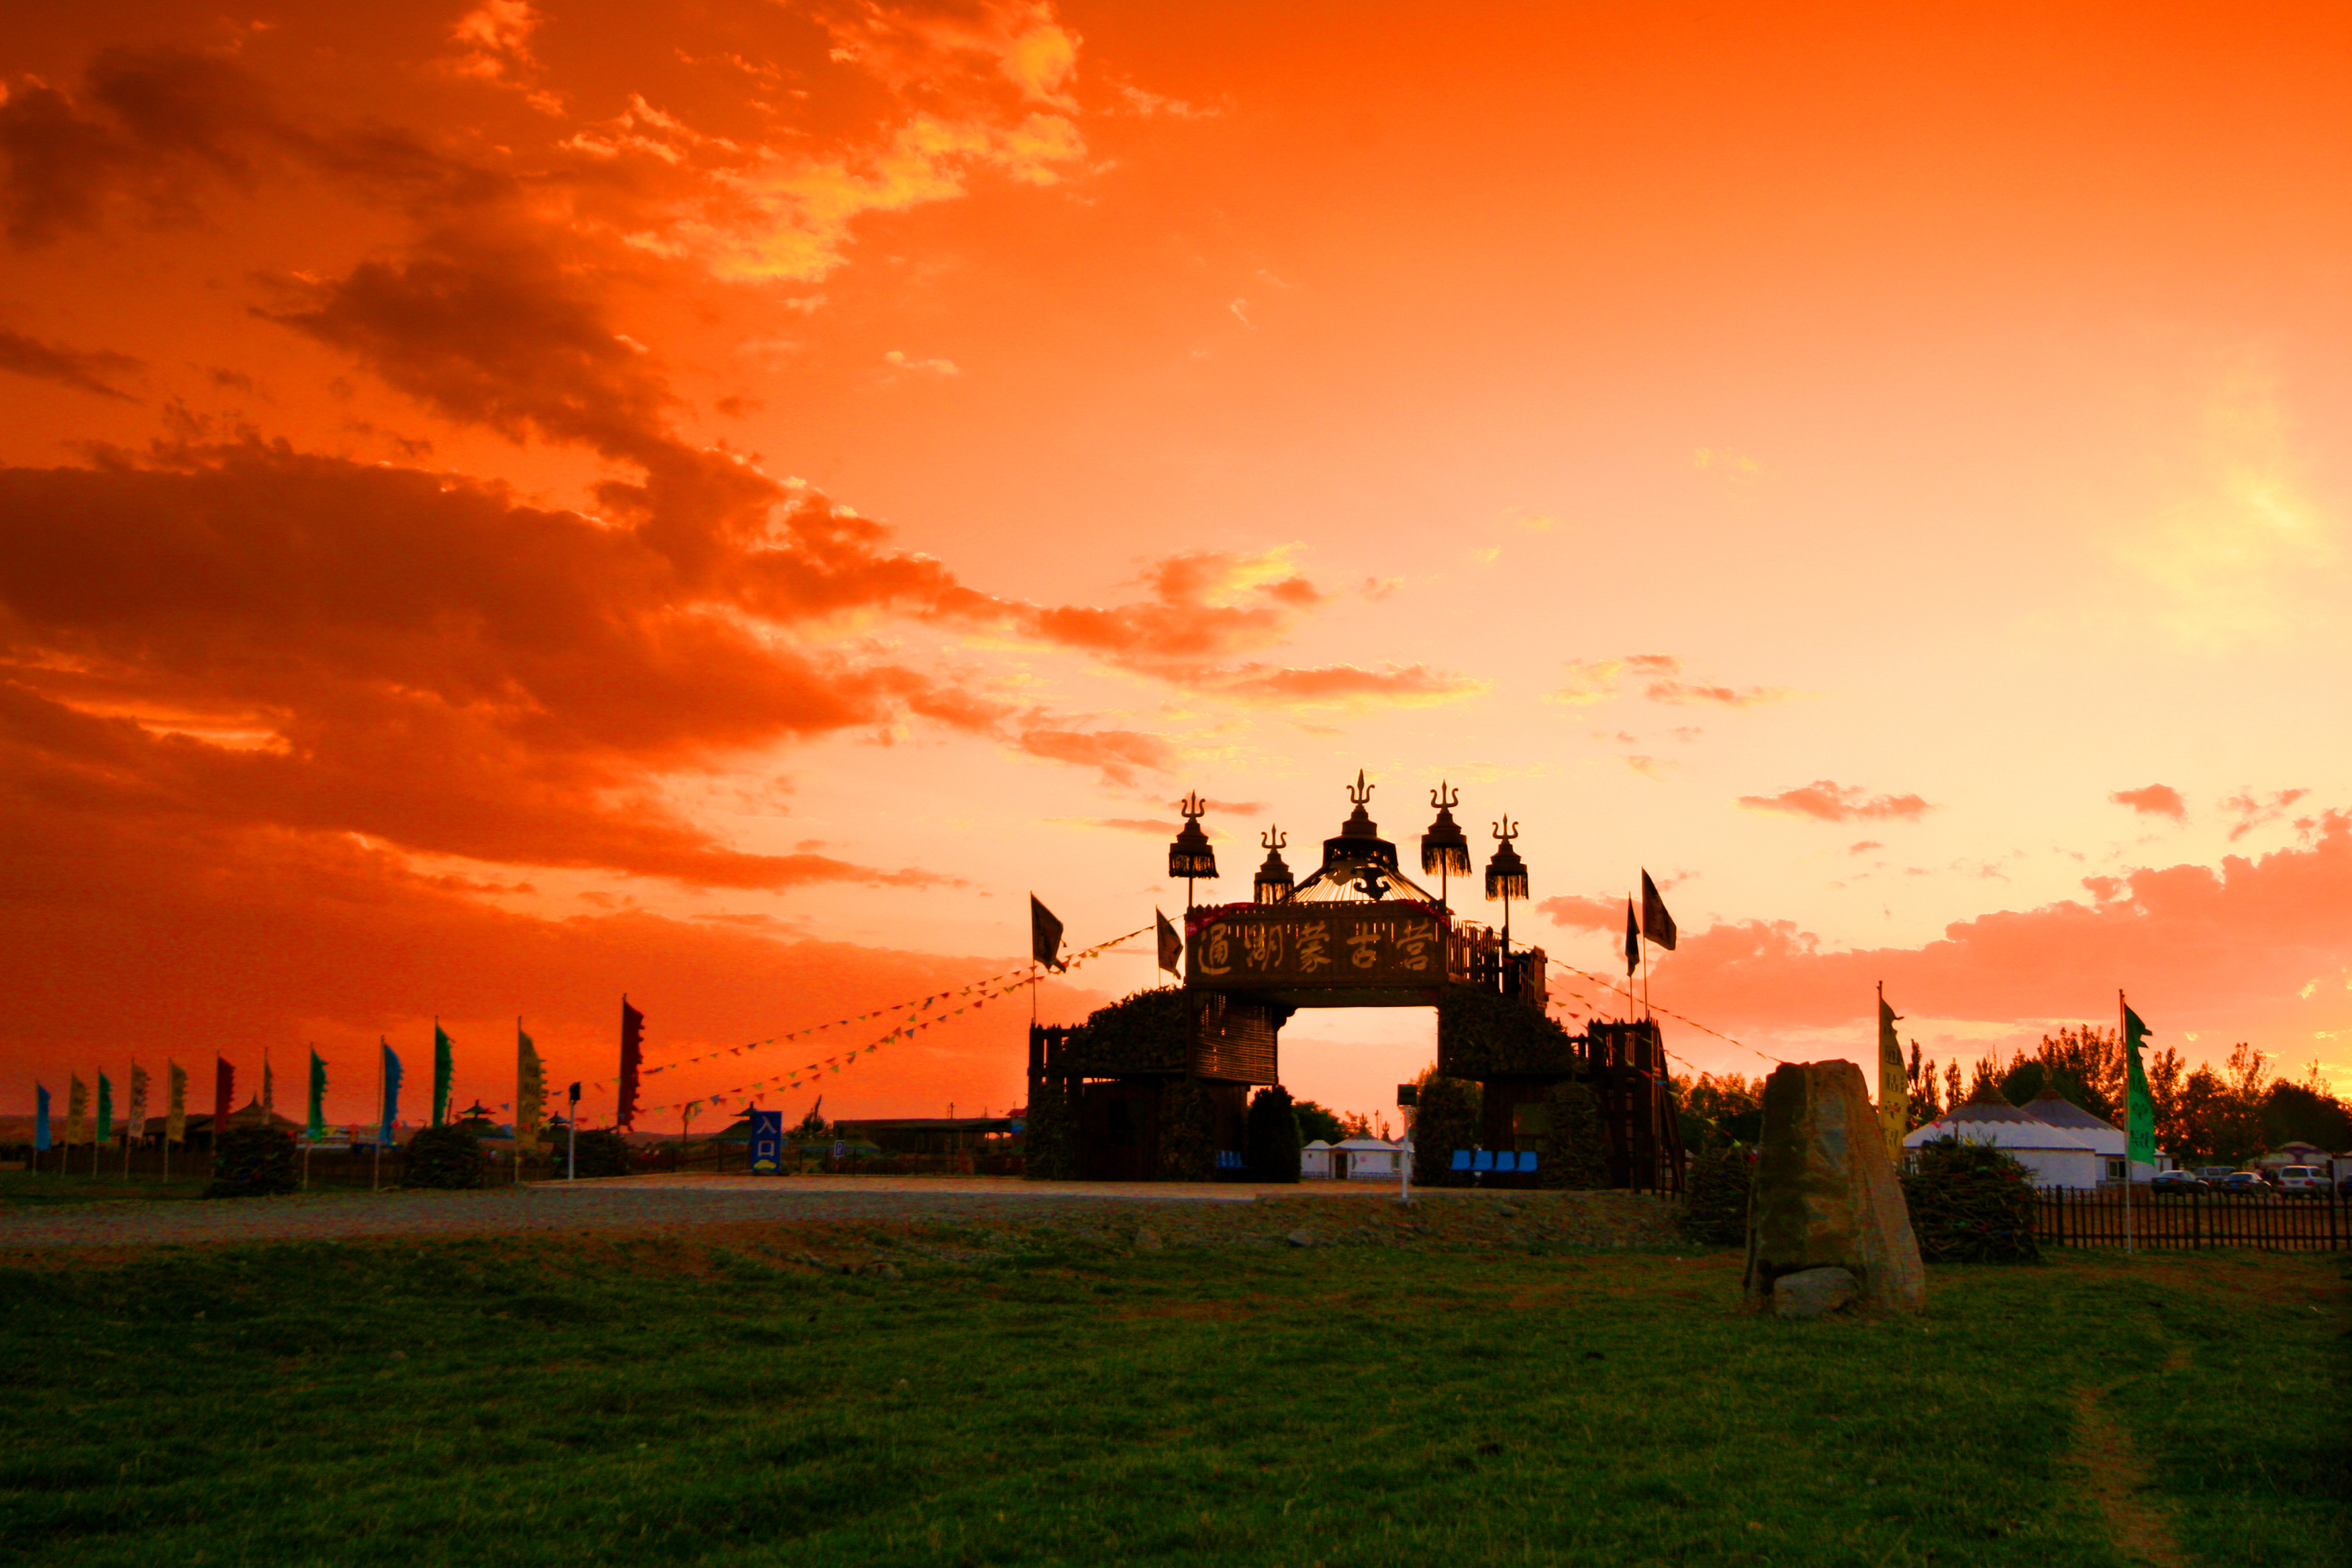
[(2115, 1474)]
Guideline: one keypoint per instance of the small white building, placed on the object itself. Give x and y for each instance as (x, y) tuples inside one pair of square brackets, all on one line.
[(1366, 1160), (1314, 1162), (2053, 1156)]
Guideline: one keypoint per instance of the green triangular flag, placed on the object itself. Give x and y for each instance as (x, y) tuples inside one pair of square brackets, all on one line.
[(2139, 1110), (444, 1068), (318, 1127)]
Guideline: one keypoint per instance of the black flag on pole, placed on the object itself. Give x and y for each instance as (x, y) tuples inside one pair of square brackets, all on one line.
[(633, 1048), (1657, 924), (1171, 946), (1632, 940), (1045, 935)]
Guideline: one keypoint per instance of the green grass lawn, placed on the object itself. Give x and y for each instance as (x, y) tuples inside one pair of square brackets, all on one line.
[(29, 1189), (511, 1402)]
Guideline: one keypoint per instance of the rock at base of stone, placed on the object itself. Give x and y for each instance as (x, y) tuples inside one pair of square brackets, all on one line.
[(1809, 1292), (1302, 1237), (1826, 1196)]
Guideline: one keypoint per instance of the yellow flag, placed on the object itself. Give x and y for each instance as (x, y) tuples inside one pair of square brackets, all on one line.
[(530, 1091), (1893, 1082)]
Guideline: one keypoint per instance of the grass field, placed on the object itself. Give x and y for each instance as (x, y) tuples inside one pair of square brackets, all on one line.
[(25, 1189), (521, 1402)]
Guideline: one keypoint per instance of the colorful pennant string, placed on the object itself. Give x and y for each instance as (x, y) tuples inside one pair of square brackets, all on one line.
[(1679, 1018), (981, 992)]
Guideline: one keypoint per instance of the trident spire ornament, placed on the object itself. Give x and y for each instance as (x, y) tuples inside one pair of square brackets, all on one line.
[(1190, 857), (1274, 881), (1444, 848), (1506, 874)]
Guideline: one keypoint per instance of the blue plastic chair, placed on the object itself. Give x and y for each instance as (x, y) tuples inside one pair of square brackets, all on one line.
[(1484, 1160), (1527, 1162), (1461, 1159)]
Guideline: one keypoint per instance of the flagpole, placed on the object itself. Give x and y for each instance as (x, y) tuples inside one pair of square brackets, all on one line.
[(2122, 1033)]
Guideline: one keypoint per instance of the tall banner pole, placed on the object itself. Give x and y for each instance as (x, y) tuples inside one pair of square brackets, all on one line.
[(375, 1171)]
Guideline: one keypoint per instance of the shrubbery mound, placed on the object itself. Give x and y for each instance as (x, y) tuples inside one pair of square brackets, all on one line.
[(443, 1157), (252, 1162), (1716, 1186), (1576, 1146), (605, 1153), (1970, 1203)]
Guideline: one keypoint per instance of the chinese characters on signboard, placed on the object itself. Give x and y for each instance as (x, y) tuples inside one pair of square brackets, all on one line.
[(1337, 945)]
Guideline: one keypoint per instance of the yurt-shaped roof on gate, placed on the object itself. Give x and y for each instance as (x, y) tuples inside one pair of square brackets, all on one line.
[(1359, 865)]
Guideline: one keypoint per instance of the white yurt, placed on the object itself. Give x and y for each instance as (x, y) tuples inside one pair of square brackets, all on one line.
[(1315, 1160), (2108, 1139), (1365, 1159), (2055, 1156)]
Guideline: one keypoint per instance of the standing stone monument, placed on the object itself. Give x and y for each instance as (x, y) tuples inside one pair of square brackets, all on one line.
[(1827, 1226)]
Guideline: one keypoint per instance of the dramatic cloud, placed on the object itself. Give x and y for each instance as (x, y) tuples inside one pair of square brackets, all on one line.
[(2233, 952), (2254, 810), (1577, 913), (2154, 800), (160, 121), (387, 652), (1661, 681), (84, 370), (1826, 800), (1338, 685), (1118, 753), (783, 212)]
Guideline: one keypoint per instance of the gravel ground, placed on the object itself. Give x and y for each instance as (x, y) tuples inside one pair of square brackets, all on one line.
[(984, 1217)]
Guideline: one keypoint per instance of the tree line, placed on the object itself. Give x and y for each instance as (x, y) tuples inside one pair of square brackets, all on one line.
[(2224, 1114)]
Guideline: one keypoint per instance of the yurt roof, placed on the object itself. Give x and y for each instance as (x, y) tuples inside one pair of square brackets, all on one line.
[(2019, 1131), (2059, 1111)]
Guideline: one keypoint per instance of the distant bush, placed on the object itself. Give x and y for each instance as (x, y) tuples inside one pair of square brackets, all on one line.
[(605, 1153), (448, 1157), (1187, 1150), (1446, 1120), (1576, 1146), (1970, 1203), (1716, 1187), (1049, 1147), (253, 1163), (1272, 1136), (1316, 1121)]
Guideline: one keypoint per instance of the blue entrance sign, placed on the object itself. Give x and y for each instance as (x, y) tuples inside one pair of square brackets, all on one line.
[(766, 1142)]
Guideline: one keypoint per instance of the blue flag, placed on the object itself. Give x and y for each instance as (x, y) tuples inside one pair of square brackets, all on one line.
[(41, 1119), (391, 1092)]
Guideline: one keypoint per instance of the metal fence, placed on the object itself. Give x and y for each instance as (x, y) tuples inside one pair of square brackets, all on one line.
[(2316, 1222)]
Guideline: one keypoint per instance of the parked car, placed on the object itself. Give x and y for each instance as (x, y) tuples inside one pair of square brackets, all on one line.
[(2176, 1183), (2297, 1180), (2213, 1175), (2344, 1185), (2243, 1183)]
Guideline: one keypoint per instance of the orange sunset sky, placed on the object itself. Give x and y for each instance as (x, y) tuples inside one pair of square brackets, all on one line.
[(503, 506)]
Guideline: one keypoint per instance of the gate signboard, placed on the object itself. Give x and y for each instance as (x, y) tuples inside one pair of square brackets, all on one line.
[(1390, 952), (766, 1142)]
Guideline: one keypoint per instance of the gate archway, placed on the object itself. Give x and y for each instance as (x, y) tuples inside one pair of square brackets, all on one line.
[(1164, 1081)]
